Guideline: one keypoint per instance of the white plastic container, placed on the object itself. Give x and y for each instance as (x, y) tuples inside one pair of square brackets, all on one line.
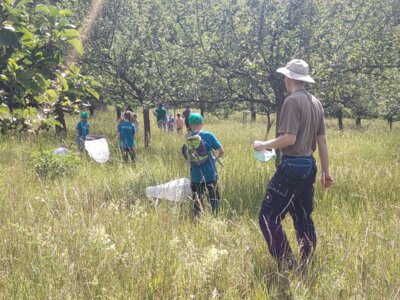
[(265, 155), (97, 148), (177, 190), (60, 151)]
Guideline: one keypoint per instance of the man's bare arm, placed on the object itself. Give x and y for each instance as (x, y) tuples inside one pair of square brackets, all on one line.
[(326, 178), (281, 141)]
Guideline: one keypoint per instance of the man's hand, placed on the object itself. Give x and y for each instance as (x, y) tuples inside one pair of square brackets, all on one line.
[(326, 180), (258, 145)]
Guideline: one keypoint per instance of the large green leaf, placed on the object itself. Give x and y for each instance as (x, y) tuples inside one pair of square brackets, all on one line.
[(52, 122), (51, 95), (92, 92), (70, 33), (20, 3), (95, 83), (74, 69), (76, 43), (4, 109), (12, 66), (63, 81), (29, 112), (65, 12), (54, 11), (43, 8), (28, 38)]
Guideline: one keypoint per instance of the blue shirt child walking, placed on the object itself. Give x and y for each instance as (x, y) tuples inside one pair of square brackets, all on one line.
[(82, 129), (204, 174), (126, 136)]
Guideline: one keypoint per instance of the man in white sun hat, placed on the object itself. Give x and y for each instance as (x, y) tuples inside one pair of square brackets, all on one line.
[(301, 128)]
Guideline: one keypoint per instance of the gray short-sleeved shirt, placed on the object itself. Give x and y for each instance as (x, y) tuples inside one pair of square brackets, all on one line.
[(302, 115)]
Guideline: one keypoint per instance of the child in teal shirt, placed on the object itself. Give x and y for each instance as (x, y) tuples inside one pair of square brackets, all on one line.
[(204, 175), (126, 136), (82, 128)]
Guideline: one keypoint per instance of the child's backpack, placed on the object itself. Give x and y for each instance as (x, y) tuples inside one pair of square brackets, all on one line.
[(195, 151)]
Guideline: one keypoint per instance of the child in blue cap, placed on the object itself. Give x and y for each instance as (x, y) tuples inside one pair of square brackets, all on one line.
[(198, 150), (82, 128)]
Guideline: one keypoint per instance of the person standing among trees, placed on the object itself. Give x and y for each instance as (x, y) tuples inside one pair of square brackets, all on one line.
[(82, 129), (301, 128), (186, 113), (179, 123), (161, 115), (126, 136), (170, 123)]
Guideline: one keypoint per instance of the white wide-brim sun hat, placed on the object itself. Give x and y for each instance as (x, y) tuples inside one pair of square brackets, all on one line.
[(296, 69)]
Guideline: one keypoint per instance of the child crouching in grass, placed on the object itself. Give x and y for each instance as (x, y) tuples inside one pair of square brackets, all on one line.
[(126, 136)]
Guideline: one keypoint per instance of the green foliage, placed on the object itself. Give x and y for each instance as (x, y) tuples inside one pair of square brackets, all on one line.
[(225, 53), (35, 42), (49, 165)]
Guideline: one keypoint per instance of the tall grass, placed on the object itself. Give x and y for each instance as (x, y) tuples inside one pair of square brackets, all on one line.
[(95, 235)]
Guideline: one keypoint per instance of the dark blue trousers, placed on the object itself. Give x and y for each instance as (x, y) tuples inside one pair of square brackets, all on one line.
[(295, 197), (212, 191)]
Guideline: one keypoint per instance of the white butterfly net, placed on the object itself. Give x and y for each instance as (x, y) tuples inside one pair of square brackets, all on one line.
[(177, 190), (98, 150)]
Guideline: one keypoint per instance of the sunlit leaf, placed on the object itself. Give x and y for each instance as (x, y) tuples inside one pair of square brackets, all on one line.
[(65, 12), (95, 83), (4, 109), (92, 92), (52, 122), (70, 33), (76, 43), (63, 81), (43, 8), (52, 95), (54, 11)]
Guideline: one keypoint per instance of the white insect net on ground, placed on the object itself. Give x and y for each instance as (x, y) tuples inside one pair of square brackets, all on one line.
[(177, 190)]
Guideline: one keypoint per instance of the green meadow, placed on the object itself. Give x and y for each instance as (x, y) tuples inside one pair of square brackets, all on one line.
[(93, 234)]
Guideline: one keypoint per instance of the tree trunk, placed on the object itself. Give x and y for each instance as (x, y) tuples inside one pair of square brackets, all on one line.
[(390, 121), (253, 113), (60, 118), (253, 116), (201, 106), (91, 110), (358, 121), (119, 112), (146, 127), (340, 119), (226, 114), (279, 91), (269, 125)]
